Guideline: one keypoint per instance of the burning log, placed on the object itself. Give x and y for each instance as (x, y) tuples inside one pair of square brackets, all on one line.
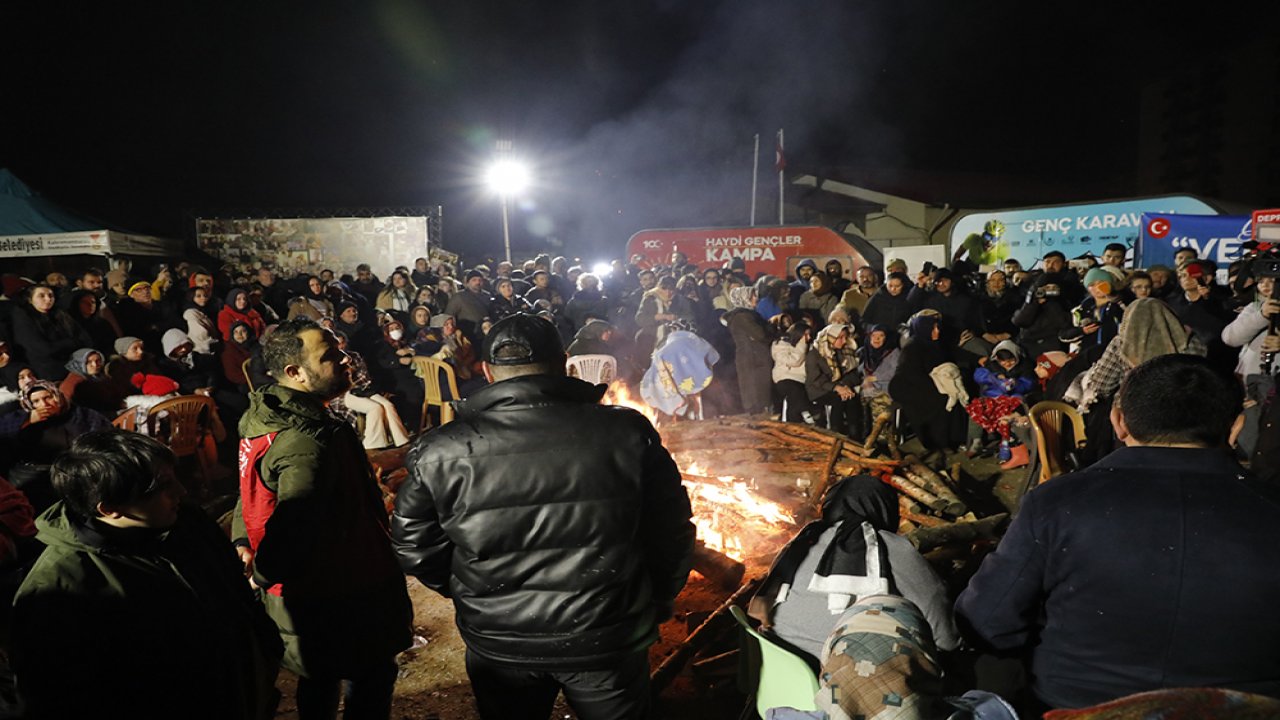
[(706, 633), (923, 476), (928, 538), (717, 567)]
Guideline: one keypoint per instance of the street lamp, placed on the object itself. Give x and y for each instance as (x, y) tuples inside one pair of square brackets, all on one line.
[(507, 177)]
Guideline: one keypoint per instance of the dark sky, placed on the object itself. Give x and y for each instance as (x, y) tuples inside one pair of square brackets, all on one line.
[(637, 114)]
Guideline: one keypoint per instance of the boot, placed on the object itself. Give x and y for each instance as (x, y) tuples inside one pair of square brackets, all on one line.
[(1019, 457)]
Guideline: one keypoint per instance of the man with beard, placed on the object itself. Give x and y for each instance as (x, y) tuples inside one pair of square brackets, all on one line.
[(1056, 272), (313, 533), (471, 306), (855, 298), (800, 285)]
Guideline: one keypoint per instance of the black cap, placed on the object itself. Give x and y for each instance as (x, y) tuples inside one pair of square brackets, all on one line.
[(523, 340)]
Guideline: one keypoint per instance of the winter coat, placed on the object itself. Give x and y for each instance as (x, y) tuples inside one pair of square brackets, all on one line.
[(501, 307), (1136, 574), (229, 316), (469, 309), (884, 309), (558, 525), (1247, 332), (202, 331), (312, 512), (996, 382), (1041, 323), (788, 360), (164, 623), (913, 389), (820, 305), (585, 305), (752, 358), (48, 339), (818, 378)]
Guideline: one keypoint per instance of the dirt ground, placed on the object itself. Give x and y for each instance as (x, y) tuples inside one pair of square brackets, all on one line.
[(433, 682)]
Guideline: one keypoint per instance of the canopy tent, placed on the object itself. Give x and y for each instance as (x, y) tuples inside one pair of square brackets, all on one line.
[(32, 226)]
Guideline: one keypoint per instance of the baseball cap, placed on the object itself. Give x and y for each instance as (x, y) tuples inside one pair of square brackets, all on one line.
[(522, 340)]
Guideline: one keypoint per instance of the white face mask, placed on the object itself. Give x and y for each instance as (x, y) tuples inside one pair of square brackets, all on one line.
[(396, 334)]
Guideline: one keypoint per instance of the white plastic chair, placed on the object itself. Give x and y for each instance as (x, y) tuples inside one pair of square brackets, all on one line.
[(595, 369)]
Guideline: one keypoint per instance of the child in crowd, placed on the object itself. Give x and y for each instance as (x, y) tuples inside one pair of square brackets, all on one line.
[(1004, 381), (789, 353)]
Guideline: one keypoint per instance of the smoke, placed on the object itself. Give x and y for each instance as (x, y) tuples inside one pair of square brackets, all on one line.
[(681, 157)]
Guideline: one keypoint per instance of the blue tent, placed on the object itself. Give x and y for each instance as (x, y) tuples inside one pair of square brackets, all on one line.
[(31, 225)]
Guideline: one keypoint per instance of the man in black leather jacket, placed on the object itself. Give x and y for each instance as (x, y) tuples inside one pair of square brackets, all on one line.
[(559, 527)]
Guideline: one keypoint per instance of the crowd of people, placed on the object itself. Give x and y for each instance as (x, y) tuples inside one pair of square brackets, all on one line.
[(309, 372)]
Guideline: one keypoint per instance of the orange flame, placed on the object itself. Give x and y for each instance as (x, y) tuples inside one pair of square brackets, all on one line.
[(617, 394), (726, 511)]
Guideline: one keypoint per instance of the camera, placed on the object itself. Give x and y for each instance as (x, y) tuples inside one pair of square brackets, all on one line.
[(1049, 290), (1266, 267)]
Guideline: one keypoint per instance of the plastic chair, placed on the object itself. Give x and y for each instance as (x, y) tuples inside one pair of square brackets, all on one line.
[(595, 369), (1059, 430), (127, 420), (185, 424), (785, 679), (244, 368), (429, 370)]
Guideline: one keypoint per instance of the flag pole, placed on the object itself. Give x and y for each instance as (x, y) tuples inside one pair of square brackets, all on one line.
[(782, 167), (755, 173)]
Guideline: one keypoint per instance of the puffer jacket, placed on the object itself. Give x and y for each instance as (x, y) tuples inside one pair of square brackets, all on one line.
[(313, 514), (558, 525), (164, 621)]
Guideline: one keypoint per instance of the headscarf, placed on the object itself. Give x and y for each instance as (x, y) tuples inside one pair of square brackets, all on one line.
[(412, 327), (123, 344), (921, 325), (838, 360), (24, 398), (437, 321), (863, 498), (231, 301), (9, 374), (386, 334), (247, 344), (1150, 329), (78, 360), (869, 357), (742, 297)]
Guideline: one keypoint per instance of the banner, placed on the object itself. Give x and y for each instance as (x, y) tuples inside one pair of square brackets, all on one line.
[(313, 244), (1071, 229), (94, 242), (1213, 237)]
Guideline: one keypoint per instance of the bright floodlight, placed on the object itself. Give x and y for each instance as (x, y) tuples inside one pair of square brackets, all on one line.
[(602, 269), (507, 177)]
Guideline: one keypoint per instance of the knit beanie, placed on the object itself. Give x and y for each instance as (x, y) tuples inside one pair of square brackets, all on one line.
[(1098, 275), (123, 344), (153, 384)]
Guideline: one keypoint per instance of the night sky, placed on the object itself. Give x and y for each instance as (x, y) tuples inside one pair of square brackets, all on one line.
[(634, 115)]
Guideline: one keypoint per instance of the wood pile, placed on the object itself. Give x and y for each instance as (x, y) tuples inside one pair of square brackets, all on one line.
[(785, 458)]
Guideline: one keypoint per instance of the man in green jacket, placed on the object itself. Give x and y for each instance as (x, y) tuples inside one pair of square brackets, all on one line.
[(313, 531), (137, 607)]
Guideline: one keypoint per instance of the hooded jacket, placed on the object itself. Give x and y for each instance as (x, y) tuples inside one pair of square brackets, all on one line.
[(161, 621), (312, 512), (558, 525), (229, 316)]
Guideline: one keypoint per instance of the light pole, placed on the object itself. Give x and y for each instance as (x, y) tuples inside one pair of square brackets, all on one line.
[(506, 177)]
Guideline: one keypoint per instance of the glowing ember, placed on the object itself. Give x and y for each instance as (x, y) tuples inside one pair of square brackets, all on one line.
[(726, 510), (618, 394)]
